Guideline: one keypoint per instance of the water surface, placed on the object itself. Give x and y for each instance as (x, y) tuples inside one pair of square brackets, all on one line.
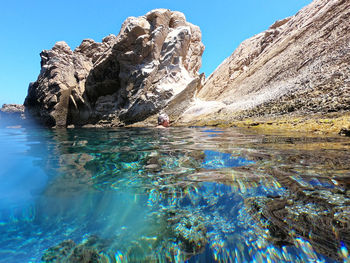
[(177, 194)]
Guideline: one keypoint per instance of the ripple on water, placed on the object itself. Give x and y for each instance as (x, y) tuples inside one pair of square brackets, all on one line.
[(197, 194)]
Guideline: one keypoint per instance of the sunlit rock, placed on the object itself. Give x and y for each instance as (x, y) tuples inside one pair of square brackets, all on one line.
[(297, 66), (122, 80)]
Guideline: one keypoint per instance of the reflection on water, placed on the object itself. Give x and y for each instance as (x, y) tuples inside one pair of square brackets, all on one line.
[(196, 194), (217, 160)]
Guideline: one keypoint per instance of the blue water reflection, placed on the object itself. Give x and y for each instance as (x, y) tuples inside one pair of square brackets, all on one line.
[(143, 195), (22, 181), (218, 160)]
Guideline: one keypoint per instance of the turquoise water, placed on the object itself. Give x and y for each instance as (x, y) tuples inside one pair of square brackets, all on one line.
[(174, 195)]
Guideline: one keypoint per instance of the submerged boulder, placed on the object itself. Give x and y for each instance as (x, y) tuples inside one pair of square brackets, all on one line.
[(88, 251), (122, 80)]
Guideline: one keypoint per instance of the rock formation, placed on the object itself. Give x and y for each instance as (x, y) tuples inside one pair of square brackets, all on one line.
[(299, 66), (122, 80)]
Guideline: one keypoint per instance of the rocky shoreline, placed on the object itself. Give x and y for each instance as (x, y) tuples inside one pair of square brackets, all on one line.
[(318, 124), (292, 77)]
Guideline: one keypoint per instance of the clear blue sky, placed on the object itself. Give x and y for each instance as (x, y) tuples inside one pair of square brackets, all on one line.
[(27, 27)]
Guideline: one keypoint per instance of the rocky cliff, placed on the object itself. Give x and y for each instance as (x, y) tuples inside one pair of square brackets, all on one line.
[(299, 66), (122, 80)]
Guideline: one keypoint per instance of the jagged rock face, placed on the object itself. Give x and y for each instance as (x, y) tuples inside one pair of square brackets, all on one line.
[(122, 80), (299, 65)]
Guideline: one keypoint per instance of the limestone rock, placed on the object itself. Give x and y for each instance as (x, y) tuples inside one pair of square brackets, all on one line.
[(122, 80), (182, 101), (299, 65)]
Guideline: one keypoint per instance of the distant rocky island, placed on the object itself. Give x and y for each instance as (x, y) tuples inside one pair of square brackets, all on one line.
[(293, 76)]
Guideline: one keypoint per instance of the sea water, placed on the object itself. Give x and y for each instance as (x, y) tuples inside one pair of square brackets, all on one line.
[(173, 195)]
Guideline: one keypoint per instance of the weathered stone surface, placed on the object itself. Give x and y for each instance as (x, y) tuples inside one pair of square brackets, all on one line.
[(61, 81), (300, 65), (122, 80), (182, 101)]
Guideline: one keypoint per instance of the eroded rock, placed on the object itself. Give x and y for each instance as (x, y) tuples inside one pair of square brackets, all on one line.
[(122, 80)]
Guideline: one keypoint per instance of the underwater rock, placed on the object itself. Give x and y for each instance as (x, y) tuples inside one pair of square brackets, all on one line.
[(59, 252), (179, 231), (314, 205), (122, 80), (319, 216), (88, 251), (188, 229), (68, 251), (298, 66)]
